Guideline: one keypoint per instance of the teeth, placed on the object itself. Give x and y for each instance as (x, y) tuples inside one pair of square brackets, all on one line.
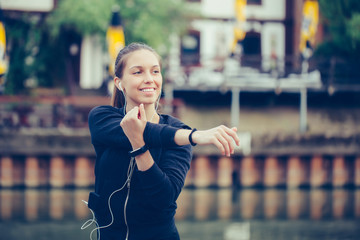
[(147, 90)]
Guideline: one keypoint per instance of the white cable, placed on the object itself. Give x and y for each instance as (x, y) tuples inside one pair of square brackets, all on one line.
[(89, 222)]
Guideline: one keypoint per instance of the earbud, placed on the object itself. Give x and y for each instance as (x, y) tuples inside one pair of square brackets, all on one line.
[(120, 87)]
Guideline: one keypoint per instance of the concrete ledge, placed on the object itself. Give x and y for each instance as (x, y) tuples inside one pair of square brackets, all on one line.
[(76, 143)]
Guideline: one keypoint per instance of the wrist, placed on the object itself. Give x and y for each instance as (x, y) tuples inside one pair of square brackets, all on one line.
[(191, 139), (137, 143), (138, 151)]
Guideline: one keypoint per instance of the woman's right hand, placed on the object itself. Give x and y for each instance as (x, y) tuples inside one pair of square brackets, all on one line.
[(222, 137)]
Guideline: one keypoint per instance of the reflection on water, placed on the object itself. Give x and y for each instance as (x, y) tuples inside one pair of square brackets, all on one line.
[(202, 214)]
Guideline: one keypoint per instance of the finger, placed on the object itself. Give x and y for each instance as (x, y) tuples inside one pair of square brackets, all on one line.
[(233, 134), (229, 141), (218, 144), (142, 112), (224, 143)]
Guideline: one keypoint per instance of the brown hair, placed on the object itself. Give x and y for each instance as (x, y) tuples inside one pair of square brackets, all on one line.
[(117, 98)]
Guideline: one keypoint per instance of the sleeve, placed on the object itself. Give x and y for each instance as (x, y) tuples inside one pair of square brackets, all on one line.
[(160, 135), (105, 129), (162, 183), (104, 125)]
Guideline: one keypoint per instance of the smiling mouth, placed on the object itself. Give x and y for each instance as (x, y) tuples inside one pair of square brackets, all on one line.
[(148, 90)]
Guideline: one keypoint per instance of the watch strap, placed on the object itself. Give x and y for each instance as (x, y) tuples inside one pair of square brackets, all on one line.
[(138, 151)]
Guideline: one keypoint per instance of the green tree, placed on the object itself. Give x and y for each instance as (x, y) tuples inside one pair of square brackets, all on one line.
[(341, 19), (39, 49)]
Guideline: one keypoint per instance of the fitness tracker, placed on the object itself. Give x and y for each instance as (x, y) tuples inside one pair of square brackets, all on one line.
[(190, 137), (138, 151)]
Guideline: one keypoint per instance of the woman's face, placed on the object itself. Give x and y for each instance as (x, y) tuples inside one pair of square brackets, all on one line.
[(142, 79)]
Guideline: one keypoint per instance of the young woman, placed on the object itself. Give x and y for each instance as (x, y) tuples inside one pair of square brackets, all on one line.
[(142, 156)]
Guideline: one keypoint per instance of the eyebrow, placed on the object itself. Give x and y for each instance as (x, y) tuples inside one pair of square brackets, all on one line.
[(142, 66)]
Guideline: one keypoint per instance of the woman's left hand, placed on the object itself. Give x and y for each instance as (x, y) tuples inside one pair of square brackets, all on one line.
[(133, 125)]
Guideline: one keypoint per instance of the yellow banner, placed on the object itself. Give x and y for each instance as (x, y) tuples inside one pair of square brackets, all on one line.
[(116, 41), (239, 32), (309, 24), (3, 65)]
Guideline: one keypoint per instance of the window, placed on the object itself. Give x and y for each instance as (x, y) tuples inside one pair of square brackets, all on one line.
[(190, 49), (252, 50), (254, 2)]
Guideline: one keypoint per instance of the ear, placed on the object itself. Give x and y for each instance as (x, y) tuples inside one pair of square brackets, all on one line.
[(117, 82)]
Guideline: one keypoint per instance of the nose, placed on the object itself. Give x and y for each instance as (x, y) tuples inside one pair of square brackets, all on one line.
[(149, 78)]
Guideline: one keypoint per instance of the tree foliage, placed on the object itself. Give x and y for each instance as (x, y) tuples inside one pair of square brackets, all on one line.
[(341, 19), (39, 45)]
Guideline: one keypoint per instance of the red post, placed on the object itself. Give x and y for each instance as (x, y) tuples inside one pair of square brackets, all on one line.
[(32, 172), (319, 172), (341, 172), (57, 172), (296, 172), (225, 169), (6, 172), (204, 172), (274, 172), (83, 171), (250, 172)]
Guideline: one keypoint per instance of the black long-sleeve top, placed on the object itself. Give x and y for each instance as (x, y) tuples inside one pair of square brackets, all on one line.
[(151, 205)]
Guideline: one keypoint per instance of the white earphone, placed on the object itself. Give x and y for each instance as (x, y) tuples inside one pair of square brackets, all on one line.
[(121, 87)]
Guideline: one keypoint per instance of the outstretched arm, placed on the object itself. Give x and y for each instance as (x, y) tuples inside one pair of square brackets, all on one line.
[(222, 137)]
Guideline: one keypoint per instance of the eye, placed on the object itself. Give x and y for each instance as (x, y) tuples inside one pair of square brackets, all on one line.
[(137, 72)]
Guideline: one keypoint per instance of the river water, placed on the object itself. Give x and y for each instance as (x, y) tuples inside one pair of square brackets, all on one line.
[(209, 214)]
